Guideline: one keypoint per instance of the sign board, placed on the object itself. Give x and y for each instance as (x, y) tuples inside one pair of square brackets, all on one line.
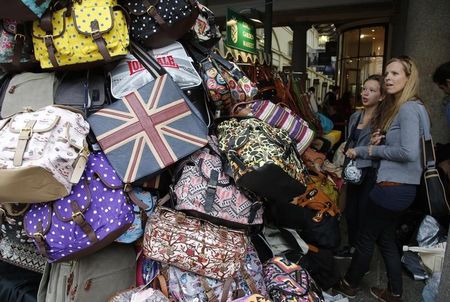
[(241, 32)]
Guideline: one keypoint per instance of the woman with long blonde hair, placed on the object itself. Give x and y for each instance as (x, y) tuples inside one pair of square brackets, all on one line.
[(400, 122)]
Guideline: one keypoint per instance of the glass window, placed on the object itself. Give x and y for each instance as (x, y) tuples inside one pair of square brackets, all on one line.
[(371, 41), (350, 43)]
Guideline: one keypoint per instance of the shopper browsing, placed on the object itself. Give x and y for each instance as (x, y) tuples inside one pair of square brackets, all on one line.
[(403, 119), (359, 136)]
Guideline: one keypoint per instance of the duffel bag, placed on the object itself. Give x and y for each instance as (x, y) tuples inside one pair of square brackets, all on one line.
[(87, 31), (42, 154), (92, 216), (264, 159)]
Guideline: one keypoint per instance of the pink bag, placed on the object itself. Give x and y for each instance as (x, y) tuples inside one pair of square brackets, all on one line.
[(204, 190)]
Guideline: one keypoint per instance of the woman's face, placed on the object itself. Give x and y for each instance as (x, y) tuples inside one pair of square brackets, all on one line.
[(395, 78), (371, 93)]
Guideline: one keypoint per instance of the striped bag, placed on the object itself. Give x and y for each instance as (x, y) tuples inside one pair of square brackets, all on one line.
[(280, 116)]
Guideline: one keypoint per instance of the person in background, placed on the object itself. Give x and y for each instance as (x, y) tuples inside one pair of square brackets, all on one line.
[(312, 99), (401, 120), (441, 77), (329, 100), (359, 135)]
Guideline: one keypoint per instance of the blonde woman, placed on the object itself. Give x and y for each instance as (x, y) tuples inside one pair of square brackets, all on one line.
[(400, 121)]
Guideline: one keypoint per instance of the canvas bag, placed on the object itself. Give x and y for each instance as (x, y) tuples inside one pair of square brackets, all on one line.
[(92, 278), (205, 28), (184, 286), (156, 23), (42, 154), (204, 190), (150, 128), (15, 246), (24, 10), (263, 159), (83, 32), (28, 90), (16, 48), (129, 74), (278, 115), (191, 244), (287, 281), (84, 90), (94, 214)]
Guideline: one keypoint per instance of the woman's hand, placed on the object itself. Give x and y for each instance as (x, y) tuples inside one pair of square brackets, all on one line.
[(351, 153), (377, 137)]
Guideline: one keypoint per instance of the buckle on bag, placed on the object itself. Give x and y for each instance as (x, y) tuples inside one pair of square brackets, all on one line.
[(25, 133), (77, 214), (46, 38), (19, 36), (39, 237), (151, 10)]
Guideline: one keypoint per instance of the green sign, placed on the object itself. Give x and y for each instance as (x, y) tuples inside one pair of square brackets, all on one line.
[(241, 32)]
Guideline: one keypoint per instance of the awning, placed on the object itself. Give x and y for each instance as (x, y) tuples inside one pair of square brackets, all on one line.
[(240, 56)]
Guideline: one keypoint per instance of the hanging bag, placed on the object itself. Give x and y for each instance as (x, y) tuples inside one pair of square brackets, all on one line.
[(350, 172), (151, 128)]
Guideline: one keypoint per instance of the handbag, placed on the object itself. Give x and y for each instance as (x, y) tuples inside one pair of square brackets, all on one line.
[(156, 23), (24, 10), (194, 245), (287, 281), (142, 293), (84, 32), (150, 128), (205, 28), (278, 115), (95, 277), (438, 205), (263, 159), (16, 48), (92, 216), (44, 153), (350, 172), (204, 190), (15, 246), (184, 286), (17, 95)]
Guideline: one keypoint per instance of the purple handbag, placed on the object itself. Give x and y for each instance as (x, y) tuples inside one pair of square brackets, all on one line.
[(93, 215)]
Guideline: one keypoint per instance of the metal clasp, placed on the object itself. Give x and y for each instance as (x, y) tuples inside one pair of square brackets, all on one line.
[(17, 36), (76, 214), (25, 133), (151, 10)]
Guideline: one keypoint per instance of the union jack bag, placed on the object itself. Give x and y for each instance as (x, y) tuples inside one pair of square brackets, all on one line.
[(150, 128)]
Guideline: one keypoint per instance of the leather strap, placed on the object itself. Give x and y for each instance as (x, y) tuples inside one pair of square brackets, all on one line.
[(78, 218), (137, 201), (46, 24), (160, 283), (210, 295), (40, 240), (226, 289), (19, 38), (100, 41), (211, 190), (24, 137), (152, 12), (79, 165)]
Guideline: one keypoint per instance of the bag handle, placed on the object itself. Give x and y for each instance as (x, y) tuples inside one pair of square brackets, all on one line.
[(147, 60)]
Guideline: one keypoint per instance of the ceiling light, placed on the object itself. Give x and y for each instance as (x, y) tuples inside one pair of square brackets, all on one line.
[(373, 38), (373, 30), (362, 36)]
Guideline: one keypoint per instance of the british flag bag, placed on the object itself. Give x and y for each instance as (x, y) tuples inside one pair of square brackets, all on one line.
[(150, 128)]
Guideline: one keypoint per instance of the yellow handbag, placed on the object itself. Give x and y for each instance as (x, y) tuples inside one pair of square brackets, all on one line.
[(88, 31)]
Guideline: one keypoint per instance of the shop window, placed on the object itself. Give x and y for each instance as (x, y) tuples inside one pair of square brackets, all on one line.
[(362, 52)]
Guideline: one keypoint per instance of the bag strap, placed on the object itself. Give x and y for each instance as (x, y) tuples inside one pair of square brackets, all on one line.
[(347, 144), (429, 156), (146, 60)]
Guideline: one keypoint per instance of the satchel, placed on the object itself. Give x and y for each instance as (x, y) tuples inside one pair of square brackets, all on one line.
[(185, 286), (204, 190), (156, 24), (194, 245), (15, 246), (95, 277), (83, 32), (24, 10), (280, 116), (150, 128), (92, 216), (16, 48), (17, 96), (43, 153), (287, 281), (263, 159)]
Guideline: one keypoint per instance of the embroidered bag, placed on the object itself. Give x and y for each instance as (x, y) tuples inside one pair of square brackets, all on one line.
[(42, 154), (263, 159), (205, 191), (16, 49), (157, 23), (287, 281), (15, 246), (280, 116), (205, 28), (24, 10), (194, 245), (94, 214), (84, 32)]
